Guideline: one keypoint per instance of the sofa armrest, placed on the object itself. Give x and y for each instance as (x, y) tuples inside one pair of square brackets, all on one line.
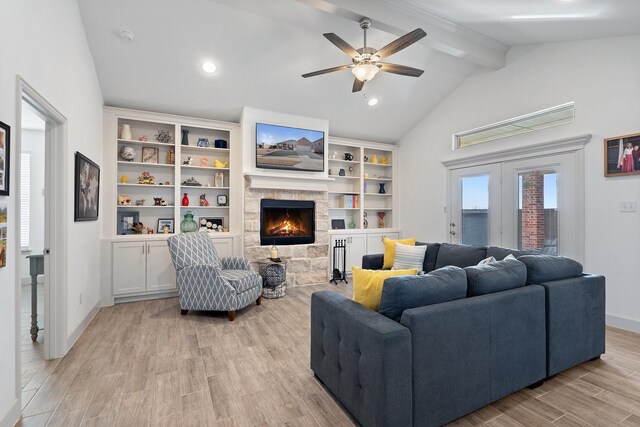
[(197, 286), (575, 311), (373, 262), (363, 358), (235, 263)]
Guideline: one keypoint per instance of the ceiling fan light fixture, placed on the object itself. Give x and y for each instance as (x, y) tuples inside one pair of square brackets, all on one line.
[(372, 101), (209, 67), (365, 72)]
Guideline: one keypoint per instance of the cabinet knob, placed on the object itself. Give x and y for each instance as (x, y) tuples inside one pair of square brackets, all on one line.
[(148, 248)]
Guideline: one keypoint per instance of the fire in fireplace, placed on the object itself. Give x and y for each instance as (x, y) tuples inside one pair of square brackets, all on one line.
[(287, 222)]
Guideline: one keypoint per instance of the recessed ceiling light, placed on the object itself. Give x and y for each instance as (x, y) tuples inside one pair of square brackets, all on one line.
[(209, 67), (372, 101)]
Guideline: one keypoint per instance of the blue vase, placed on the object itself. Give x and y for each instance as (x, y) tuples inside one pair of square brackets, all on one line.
[(382, 190), (185, 136)]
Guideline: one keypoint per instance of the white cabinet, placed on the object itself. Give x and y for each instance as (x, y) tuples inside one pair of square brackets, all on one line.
[(161, 275), (140, 267), (356, 248), (129, 267), (224, 247), (375, 244)]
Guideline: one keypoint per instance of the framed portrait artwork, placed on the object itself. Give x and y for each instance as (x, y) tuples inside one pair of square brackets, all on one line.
[(149, 155), (87, 189), (165, 225), (126, 219), (5, 139), (622, 155), (211, 224)]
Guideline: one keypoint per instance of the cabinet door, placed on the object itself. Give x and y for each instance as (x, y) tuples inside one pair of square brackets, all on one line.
[(356, 249), (129, 268), (161, 274), (224, 246), (374, 242)]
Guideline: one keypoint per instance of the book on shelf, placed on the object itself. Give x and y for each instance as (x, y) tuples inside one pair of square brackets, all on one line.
[(350, 201)]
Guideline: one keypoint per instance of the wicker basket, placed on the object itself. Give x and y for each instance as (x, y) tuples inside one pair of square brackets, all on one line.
[(277, 292)]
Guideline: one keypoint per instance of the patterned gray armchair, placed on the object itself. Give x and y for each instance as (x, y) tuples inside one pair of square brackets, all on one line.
[(208, 283)]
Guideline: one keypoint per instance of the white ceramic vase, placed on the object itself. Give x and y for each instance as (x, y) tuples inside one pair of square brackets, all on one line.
[(126, 132)]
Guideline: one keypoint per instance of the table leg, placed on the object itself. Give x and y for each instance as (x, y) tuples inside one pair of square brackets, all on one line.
[(34, 308)]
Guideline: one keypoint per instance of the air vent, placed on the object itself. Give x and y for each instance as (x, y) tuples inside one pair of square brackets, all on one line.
[(554, 116)]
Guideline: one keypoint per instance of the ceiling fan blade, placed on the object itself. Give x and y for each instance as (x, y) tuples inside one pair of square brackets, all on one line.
[(401, 43), (341, 44), (403, 70), (357, 85), (327, 70)]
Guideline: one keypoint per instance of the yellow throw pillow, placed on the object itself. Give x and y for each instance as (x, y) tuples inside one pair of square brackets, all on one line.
[(390, 249), (367, 284)]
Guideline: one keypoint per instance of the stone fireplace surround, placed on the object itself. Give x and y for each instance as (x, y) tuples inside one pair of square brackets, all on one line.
[(308, 263)]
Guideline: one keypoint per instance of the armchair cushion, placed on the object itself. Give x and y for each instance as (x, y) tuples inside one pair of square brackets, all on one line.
[(193, 249), (235, 263), (241, 280)]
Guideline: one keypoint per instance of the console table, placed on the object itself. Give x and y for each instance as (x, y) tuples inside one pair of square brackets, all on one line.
[(36, 266)]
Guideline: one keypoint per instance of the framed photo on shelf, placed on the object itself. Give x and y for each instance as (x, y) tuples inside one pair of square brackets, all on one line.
[(87, 189), (211, 224), (149, 155), (165, 225), (218, 179), (337, 224), (5, 139), (622, 155), (126, 219)]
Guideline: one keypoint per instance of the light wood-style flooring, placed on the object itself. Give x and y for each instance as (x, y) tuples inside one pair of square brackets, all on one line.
[(142, 364)]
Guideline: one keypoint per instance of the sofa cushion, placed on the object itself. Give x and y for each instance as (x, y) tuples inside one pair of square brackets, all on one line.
[(367, 284), (460, 255), (409, 256), (242, 280), (547, 268), (430, 257), (495, 277), (402, 293), (500, 253), (390, 249)]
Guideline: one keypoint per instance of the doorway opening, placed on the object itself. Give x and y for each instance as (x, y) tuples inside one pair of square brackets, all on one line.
[(32, 236)]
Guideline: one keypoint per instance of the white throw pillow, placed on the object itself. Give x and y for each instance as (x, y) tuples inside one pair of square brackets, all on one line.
[(409, 257), (487, 261), (510, 256)]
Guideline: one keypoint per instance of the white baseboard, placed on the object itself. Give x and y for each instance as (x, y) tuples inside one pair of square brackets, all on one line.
[(82, 326), (13, 415), (623, 323)]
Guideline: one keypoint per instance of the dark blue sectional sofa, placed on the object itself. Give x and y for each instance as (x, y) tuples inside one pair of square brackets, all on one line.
[(456, 339)]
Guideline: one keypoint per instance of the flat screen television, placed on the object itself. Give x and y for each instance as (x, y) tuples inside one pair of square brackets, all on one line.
[(286, 148)]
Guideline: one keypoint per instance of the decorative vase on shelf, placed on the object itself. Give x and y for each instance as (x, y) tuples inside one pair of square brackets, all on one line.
[(185, 200), (188, 224), (273, 252), (185, 137), (126, 132), (365, 223), (382, 190), (352, 222), (374, 159), (380, 219)]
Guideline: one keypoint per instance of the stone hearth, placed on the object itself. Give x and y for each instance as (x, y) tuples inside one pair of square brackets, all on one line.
[(308, 264)]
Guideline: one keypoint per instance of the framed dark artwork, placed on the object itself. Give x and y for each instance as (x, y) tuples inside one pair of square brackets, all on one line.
[(165, 225), (622, 155), (211, 224), (87, 189), (5, 140), (337, 224), (286, 148), (126, 219)]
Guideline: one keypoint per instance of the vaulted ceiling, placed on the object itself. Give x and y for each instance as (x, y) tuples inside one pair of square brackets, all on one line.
[(261, 48)]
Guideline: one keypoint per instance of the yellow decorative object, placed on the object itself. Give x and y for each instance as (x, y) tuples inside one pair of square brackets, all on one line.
[(124, 179), (390, 249), (218, 164), (367, 284), (374, 159), (383, 160), (366, 175)]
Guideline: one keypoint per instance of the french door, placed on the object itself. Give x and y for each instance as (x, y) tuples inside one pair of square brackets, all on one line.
[(530, 204)]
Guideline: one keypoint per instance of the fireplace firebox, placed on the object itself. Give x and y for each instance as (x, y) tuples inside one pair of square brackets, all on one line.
[(287, 222)]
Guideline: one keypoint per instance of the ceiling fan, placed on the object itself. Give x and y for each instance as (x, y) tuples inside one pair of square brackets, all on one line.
[(366, 60)]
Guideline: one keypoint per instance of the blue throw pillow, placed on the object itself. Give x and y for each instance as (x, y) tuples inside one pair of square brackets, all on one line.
[(495, 277), (402, 293)]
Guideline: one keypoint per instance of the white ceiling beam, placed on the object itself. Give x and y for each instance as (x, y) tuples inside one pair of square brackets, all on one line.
[(398, 17)]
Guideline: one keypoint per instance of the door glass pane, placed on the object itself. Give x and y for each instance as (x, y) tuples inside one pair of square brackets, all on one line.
[(538, 211), (475, 210)]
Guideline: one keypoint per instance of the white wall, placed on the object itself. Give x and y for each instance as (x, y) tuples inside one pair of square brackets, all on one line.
[(33, 142), (602, 77), (46, 45)]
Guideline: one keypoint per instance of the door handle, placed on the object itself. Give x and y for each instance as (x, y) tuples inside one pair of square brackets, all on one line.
[(453, 233), (46, 251), (148, 248), (453, 224), (143, 246)]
